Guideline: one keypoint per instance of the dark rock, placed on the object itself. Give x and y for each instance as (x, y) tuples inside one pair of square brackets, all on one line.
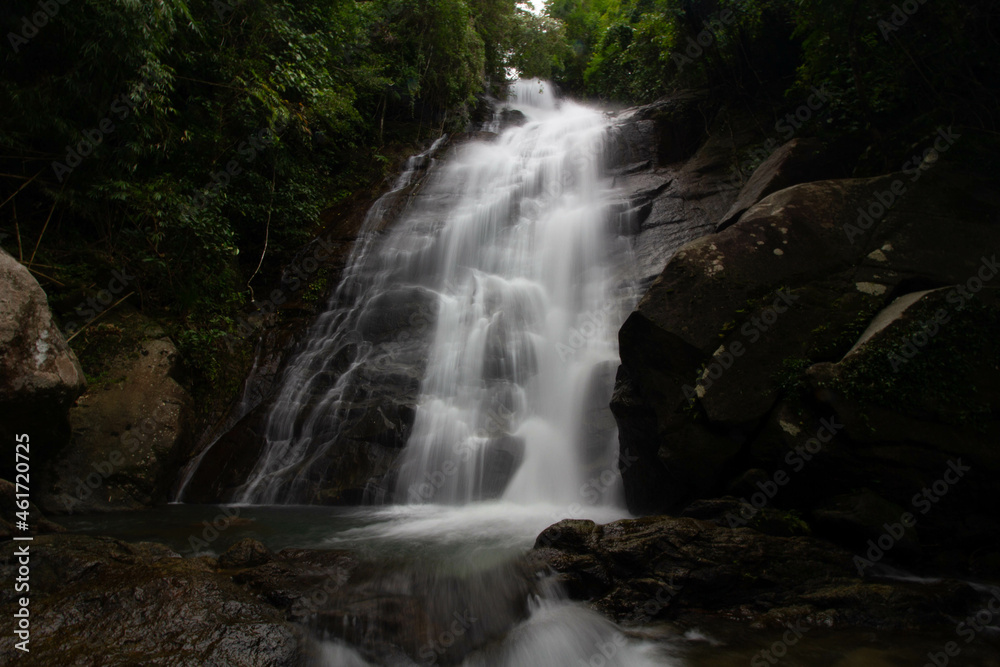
[(598, 429), (862, 515), (671, 130), (501, 459), (227, 462), (716, 334), (299, 581), (798, 161), (131, 604), (248, 552), (512, 118), (731, 512), (389, 614), (660, 567)]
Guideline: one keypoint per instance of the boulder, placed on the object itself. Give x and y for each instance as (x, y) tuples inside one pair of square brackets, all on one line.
[(248, 552), (669, 200), (659, 568), (396, 616), (735, 317), (40, 376), (128, 433), (798, 161)]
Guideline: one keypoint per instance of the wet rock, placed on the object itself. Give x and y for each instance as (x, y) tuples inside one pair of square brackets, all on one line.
[(501, 459), (598, 430), (512, 118), (390, 313), (247, 552), (299, 581), (405, 613), (130, 604), (639, 570)]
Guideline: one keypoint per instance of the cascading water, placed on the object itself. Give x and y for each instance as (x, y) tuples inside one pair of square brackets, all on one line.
[(529, 278), (498, 293), (517, 265)]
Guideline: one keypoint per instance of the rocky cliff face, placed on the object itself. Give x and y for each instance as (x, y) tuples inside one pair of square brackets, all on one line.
[(796, 359)]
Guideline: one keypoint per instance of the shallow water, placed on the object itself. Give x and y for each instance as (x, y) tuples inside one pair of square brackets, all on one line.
[(469, 543)]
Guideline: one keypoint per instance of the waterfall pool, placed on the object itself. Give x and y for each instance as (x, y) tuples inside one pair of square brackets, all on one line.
[(467, 546)]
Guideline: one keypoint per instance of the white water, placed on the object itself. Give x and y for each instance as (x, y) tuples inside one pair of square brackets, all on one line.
[(512, 244), (528, 273)]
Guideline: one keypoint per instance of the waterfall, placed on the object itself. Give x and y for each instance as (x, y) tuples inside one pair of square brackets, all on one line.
[(511, 261)]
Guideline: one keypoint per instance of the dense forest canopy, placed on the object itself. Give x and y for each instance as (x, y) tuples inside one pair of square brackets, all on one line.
[(185, 143)]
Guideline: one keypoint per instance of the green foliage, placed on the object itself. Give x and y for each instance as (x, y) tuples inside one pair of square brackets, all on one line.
[(897, 74), (941, 377), (221, 129)]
